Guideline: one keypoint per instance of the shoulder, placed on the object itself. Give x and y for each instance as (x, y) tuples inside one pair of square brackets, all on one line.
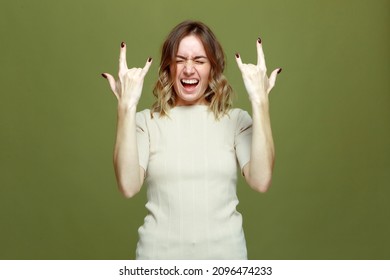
[(142, 119), (146, 116), (143, 114), (241, 120), (239, 114)]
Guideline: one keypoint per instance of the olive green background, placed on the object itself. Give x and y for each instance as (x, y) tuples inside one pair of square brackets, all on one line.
[(330, 117)]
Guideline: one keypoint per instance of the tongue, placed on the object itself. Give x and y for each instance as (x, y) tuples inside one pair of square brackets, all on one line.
[(189, 87)]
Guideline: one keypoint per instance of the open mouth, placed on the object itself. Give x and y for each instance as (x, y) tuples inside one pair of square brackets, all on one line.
[(189, 84)]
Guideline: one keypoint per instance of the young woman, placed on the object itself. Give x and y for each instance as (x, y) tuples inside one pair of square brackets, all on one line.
[(189, 145)]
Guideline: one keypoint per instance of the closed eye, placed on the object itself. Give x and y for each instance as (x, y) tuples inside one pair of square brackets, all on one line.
[(198, 60)]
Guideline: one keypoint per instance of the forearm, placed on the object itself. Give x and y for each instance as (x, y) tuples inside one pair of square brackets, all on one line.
[(126, 163), (263, 151)]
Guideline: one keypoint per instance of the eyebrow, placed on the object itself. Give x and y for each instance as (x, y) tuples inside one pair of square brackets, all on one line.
[(196, 57)]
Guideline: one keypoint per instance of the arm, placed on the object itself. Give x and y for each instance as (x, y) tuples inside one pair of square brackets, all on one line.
[(258, 171), (129, 175), (127, 89)]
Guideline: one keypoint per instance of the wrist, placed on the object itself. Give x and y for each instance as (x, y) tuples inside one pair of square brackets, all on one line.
[(260, 101), (125, 109)]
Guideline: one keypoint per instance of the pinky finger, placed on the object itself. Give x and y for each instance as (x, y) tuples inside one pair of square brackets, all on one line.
[(147, 66), (272, 78), (112, 83), (239, 61)]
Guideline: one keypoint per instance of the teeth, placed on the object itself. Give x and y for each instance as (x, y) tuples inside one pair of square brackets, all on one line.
[(190, 81)]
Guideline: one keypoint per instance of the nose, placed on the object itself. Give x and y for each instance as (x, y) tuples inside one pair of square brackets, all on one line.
[(189, 67)]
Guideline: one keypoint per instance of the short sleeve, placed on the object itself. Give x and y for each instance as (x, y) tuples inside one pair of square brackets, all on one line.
[(243, 138), (142, 139)]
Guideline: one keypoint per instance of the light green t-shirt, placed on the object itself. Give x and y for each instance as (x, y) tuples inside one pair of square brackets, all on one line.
[(191, 163)]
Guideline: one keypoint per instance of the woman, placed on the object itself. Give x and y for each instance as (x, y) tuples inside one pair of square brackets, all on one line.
[(189, 145)]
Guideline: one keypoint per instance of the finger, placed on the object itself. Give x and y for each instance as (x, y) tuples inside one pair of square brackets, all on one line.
[(147, 66), (272, 78), (111, 82), (260, 54), (122, 58), (239, 61)]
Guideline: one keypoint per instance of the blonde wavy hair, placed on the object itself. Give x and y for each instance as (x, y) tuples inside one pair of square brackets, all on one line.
[(219, 93)]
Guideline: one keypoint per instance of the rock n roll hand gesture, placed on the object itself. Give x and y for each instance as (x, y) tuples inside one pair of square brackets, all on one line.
[(256, 81), (128, 88), (258, 172)]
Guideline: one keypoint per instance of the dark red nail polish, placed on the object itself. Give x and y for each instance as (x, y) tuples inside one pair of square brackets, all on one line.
[(122, 44), (237, 55), (149, 59), (259, 40), (104, 75), (280, 70)]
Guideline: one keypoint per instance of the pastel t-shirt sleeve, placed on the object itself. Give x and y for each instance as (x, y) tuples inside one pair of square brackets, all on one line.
[(243, 138), (142, 139)]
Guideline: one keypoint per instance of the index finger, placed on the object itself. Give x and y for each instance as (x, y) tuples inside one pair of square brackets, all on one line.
[(122, 58), (260, 54)]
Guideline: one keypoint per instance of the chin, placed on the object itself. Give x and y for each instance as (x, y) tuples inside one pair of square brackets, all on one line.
[(184, 99)]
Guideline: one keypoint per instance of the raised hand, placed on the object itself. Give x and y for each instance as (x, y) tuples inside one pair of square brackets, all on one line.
[(128, 88), (256, 81)]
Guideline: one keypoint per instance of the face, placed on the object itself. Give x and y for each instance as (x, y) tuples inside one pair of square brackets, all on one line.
[(192, 72)]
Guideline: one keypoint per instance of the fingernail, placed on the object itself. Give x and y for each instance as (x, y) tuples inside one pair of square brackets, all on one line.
[(259, 40), (104, 75), (280, 70), (237, 55), (150, 59), (122, 44)]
